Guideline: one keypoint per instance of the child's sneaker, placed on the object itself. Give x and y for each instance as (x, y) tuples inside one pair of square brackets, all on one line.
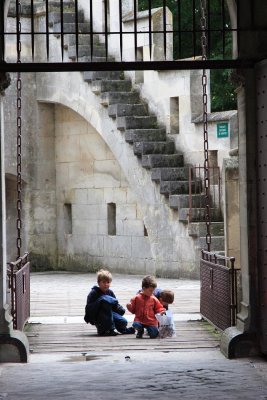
[(110, 332), (139, 334), (128, 331)]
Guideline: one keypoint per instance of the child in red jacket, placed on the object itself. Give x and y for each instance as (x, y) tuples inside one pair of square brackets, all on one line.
[(145, 305)]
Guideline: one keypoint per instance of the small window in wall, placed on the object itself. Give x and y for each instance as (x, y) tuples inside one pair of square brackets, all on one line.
[(145, 231), (174, 115), (67, 218), (139, 75), (112, 219)]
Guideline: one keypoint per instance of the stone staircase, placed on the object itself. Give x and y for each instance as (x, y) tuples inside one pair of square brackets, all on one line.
[(150, 142)]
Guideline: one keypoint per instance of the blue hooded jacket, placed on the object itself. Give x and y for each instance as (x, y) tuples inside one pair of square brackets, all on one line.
[(94, 299)]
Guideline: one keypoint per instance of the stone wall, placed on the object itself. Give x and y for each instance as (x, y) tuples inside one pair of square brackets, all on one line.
[(88, 180)]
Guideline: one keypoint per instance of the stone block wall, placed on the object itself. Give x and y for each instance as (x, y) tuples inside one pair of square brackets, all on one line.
[(88, 179)]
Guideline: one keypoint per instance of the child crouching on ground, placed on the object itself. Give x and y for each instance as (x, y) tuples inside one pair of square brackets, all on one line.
[(103, 309), (145, 305), (165, 296)]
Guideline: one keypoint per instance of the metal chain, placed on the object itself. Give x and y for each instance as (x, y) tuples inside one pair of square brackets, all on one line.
[(19, 182), (203, 23)]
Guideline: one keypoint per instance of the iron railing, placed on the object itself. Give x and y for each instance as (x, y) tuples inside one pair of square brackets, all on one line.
[(19, 285), (197, 196), (40, 21), (218, 289)]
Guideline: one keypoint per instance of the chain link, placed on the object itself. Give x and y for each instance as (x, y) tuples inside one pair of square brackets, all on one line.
[(203, 23), (19, 123)]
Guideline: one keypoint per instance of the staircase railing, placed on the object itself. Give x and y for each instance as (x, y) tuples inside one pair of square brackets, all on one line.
[(19, 285), (218, 293), (197, 201)]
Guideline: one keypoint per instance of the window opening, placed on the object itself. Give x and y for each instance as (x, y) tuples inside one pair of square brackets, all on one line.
[(145, 231), (112, 219), (174, 115), (139, 75), (68, 219)]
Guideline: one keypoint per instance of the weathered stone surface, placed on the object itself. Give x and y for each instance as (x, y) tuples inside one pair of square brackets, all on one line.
[(68, 17), (217, 242), (174, 187), (89, 76), (136, 122), (178, 201), (198, 214), (162, 160), (118, 246), (200, 228), (83, 39), (119, 97), (84, 50), (140, 148), (100, 86), (120, 110), (145, 135), (70, 27), (96, 59), (170, 174)]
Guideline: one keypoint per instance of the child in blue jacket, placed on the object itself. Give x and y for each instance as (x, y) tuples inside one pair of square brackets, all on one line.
[(103, 309)]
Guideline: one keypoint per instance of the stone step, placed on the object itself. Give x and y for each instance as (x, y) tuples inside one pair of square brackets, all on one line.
[(178, 187), (89, 59), (177, 201), (199, 229), (54, 5), (69, 16), (68, 27), (170, 174), (162, 160), (198, 215), (120, 110), (103, 86), (84, 51), (109, 98), (217, 243), (145, 135), (136, 122), (84, 39), (140, 148), (90, 76)]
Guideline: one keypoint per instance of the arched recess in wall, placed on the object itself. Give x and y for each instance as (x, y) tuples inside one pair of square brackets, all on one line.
[(75, 94), (88, 182)]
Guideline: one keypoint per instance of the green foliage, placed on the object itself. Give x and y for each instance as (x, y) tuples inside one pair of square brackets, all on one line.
[(187, 41), (223, 96)]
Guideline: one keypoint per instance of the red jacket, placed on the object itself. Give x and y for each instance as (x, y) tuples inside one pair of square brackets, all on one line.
[(145, 307)]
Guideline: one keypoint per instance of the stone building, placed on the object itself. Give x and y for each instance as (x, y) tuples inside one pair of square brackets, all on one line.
[(89, 197)]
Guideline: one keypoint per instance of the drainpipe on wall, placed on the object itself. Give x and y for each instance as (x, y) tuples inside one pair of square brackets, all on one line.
[(14, 345)]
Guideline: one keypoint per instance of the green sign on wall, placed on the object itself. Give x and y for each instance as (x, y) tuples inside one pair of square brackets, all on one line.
[(222, 130)]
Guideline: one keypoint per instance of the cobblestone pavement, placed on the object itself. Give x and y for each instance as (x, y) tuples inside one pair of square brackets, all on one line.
[(131, 371), (201, 375)]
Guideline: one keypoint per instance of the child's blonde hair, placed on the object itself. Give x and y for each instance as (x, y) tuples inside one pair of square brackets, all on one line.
[(149, 281), (167, 296), (104, 276)]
